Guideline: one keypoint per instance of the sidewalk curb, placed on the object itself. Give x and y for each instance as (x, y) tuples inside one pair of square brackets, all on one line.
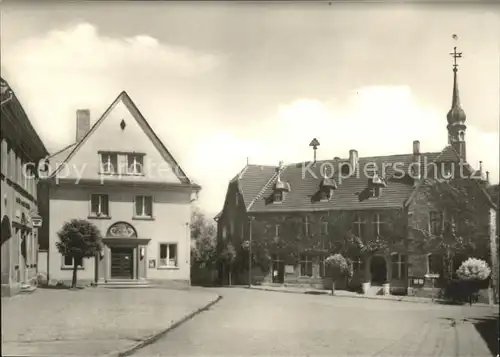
[(402, 299), (155, 337)]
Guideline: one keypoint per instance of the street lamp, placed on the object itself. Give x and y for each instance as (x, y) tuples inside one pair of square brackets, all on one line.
[(250, 219)]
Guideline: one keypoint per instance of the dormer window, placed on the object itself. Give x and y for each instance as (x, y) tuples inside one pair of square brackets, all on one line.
[(278, 197), (374, 192), (326, 188), (445, 170), (280, 188), (345, 169)]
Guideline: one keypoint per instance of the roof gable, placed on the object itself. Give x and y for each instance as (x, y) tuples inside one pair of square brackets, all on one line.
[(107, 134)]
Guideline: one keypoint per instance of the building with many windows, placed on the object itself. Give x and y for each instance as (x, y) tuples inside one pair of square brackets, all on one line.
[(22, 149), (298, 214), (120, 176)]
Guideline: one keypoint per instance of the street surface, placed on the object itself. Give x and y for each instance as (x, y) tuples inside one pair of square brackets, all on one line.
[(259, 323)]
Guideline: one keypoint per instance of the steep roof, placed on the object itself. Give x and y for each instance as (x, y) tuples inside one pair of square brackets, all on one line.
[(256, 184), (64, 155)]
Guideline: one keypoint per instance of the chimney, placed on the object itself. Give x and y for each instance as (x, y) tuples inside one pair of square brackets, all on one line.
[(82, 123), (416, 148), (416, 171), (487, 176), (353, 159)]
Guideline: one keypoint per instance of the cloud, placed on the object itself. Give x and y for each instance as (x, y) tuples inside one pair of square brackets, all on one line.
[(375, 121), (77, 67)]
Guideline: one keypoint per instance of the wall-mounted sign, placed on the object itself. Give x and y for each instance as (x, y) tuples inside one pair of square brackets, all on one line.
[(289, 269), (122, 229), (152, 263), (22, 203)]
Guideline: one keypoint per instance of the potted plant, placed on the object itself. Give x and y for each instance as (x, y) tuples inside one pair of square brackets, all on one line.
[(337, 267)]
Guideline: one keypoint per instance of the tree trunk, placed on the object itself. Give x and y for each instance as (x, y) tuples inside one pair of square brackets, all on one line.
[(333, 287), (75, 269)]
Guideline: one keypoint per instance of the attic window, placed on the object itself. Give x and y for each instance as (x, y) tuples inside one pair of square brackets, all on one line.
[(122, 124), (374, 192), (326, 194), (278, 197), (345, 169)]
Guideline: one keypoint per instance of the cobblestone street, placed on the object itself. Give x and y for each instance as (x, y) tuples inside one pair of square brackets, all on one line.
[(258, 323)]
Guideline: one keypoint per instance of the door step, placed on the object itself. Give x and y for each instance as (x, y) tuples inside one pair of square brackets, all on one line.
[(125, 284), (27, 289)]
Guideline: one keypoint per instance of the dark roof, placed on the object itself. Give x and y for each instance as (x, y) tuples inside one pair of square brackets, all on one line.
[(256, 183)]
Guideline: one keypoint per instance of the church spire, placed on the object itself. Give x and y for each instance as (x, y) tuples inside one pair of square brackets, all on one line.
[(456, 115)]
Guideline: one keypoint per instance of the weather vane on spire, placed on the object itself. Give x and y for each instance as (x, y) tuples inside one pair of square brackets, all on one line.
[(455, 54)]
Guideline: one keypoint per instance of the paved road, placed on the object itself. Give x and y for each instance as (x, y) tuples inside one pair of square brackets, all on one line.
[(258, 323)]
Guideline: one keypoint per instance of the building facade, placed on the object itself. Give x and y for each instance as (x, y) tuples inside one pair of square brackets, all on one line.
[(120, 176), (298, 214), (22, 149)]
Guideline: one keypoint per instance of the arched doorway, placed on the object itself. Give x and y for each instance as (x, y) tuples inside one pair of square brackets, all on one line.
[(378, 270)]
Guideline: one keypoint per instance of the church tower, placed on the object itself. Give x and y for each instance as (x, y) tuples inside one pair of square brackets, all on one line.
[(456, 116)]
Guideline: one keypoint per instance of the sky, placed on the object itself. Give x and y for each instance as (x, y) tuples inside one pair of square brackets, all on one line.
[(223, 83)]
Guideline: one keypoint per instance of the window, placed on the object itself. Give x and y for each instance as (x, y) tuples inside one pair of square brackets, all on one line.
[(99, 205), (436, 220), (236, 200), (359, 227), (445, 170), (306, 226), (324, 228), (278, 197), (168, 255), (306, 266), (135, 164), (277, 230), (435, 264), (143, 206), (325, 194), (381, 227), (346, 169), (68, 262), (224, 232), (374, 192), (399, 266), (109, 163), (9, 170)]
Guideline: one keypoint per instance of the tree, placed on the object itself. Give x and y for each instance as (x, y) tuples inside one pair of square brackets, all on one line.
[(337, 267), (463, 224), (204, 238), (472, 272), (78, 239)]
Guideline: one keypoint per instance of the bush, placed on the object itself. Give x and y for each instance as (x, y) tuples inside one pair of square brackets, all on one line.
[(459, 291), (338, 266), (473, 270)]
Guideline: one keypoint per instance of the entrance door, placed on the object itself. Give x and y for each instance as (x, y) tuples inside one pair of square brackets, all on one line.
[(122, 263), (278, 270), (378, 270)]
